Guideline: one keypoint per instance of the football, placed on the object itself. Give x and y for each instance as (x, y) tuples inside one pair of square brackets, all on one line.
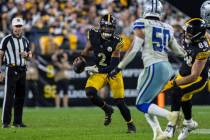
[(79, 64)]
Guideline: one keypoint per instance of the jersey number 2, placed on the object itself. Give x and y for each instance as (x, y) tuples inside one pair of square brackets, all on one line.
[(102, 57), (160, 39)]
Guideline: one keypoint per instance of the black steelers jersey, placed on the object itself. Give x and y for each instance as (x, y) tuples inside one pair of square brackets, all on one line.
[(103, 48), (194, 51)]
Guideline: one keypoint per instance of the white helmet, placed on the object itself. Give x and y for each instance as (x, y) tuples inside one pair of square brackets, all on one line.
[(153, 9), (205, 11)]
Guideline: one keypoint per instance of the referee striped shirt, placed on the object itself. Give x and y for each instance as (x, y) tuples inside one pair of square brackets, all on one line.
[(12, 47)]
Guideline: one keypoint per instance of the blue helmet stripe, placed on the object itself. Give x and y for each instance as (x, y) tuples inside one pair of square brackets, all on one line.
[(139, 23), (138, 27)]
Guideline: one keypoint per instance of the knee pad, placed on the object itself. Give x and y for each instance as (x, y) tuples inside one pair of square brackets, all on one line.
[(91, 92), (143, 107)]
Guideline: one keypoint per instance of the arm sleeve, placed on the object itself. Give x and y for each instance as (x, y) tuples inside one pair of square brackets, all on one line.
[(138, 42), (176, 48)]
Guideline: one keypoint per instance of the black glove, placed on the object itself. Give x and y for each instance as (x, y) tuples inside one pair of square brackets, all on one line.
[(114, 72)]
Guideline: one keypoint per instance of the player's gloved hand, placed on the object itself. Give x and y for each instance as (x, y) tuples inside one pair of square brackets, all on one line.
[(91, 69), (169, 85), (114, 72)]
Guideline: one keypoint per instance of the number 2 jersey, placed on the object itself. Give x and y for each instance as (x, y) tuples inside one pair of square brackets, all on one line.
[(102, 48), (195, 51), (158, 40)]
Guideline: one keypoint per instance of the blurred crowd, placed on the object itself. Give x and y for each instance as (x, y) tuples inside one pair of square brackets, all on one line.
[(52, 24), (57, 29)]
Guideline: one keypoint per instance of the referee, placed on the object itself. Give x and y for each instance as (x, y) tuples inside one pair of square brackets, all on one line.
[(15, 51)]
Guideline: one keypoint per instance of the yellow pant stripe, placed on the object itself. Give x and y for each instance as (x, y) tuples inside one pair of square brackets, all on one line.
[(188, 96)]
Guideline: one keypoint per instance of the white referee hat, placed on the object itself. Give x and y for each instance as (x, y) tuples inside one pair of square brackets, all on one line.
[(17, 21)]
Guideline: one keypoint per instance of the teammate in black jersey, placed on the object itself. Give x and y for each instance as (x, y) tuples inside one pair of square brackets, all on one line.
[(106, 49), (193, 74)]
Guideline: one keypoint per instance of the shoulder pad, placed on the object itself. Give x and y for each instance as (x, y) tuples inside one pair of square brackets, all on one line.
[(139, 24), (120, 43), (204, 50), (91, 31)]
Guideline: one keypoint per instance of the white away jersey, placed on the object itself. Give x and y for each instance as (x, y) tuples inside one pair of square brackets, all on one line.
[(159, 39)]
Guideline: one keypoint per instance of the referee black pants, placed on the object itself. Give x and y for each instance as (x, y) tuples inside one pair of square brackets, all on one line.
[(14, 94)]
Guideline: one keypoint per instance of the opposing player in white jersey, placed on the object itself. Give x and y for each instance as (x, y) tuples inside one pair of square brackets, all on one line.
[(205, 11), (205, 14), (154, 38)]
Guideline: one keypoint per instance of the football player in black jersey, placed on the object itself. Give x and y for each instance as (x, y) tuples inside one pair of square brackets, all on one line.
[(106, 49), (192, 77)]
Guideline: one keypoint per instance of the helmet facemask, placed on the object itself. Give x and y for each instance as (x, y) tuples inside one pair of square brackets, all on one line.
[(107, 30), (194, 31), (107, 26)]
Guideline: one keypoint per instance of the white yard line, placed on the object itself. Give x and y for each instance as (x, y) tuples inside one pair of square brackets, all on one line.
[(201, 131)]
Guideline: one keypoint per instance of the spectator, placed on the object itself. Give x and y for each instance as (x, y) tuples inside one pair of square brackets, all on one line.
[(60, 59)]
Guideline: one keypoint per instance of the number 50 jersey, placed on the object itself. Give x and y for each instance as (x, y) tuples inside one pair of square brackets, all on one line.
[(158, 40)]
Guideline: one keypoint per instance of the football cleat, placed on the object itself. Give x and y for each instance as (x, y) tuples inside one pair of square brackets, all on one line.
[(188, 127), (108, 116), (131, 128), (169, 131), (159, 135)]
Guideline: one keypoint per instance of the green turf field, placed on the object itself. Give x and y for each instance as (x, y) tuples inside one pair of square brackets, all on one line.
[(87, 124)]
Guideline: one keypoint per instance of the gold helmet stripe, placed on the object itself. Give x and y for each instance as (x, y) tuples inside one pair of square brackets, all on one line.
[(109, 17), (193, 20)]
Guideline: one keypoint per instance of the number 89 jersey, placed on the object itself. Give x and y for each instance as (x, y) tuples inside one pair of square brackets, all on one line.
[(102, 48), (158, 37), (195, 51)]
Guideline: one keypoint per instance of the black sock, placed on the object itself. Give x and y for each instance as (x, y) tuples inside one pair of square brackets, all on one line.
[(94, 98), (176, 98), (124, 110), (106, 107), (187, 109)]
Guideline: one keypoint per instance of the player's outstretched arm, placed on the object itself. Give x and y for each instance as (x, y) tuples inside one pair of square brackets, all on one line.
[(176, 48), (136, 45), (130, 55), (196, 70)]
